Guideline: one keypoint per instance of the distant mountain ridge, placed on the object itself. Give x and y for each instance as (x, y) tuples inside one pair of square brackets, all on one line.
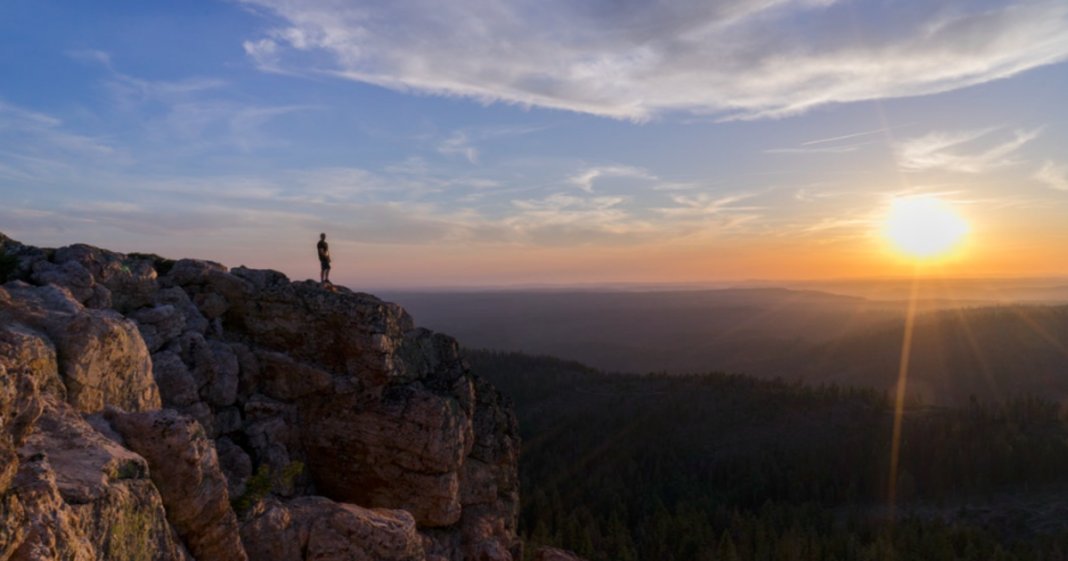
[(960, 351)]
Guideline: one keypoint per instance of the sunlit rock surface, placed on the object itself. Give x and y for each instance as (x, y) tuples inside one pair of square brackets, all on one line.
[(299, 422)]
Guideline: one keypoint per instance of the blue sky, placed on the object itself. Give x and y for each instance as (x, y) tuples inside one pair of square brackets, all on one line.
[(491, 142)]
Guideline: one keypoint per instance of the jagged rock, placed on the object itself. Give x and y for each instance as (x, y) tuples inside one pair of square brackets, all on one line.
[(27, 352), (192, 319), (85, 462), (223, 373), (159, 325), (403, 451), (554, 554), (271, 433), (489, 486), (249, 367), (102, 358), (227, 420), (186, 272), (382, 414), (80, 495), (340, 332), (211, 304), (316, 528), (200, 412), (27, 366), (70, 275), (281, 377), (235, 463), (175, 381), (185, 468), (131, 282), (17, 260)]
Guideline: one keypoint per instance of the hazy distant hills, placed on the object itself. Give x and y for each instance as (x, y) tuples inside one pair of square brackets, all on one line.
[(678, 331), (991, 353), (963, 347)]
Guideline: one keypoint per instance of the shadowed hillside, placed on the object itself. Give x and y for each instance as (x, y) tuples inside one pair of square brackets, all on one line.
[(697, 467)]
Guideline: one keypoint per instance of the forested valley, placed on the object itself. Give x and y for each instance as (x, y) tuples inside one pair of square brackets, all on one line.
[(729, 467)]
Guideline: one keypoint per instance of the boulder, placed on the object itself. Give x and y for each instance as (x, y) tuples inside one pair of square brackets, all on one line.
[(79, 495), (340, 332), (316, 528), (191, 318), (402, 451), (185, 469), (159, 325), (176, 384), (70, 275), (281, 377), (102, 358), (235, 463), (26, 352), (131, 281)]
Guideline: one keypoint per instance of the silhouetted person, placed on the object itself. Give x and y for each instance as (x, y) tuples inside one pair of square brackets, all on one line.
[(324, 260)]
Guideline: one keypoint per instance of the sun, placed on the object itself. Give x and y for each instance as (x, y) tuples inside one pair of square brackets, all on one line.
[(923, 227)]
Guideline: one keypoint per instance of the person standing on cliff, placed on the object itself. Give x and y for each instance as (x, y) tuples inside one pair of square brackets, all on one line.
[(324, 260)]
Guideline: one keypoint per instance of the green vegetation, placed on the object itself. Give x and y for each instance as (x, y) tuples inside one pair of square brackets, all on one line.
[(129, 537), (261, 483), (711, 467)]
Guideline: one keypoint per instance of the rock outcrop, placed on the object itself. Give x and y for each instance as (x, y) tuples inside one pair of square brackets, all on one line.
[(157, 409), (317, 528), (186, 472)]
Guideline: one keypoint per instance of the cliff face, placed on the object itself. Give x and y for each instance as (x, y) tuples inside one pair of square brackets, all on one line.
[(140, 398)]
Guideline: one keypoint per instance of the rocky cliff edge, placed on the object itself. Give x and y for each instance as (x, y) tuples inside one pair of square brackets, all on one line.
[(153, 409)]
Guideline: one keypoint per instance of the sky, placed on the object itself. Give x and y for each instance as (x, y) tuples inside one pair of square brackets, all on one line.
[(522, 142)]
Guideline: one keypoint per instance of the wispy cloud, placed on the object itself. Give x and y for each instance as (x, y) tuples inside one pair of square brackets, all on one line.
[(38, 146), (458, 143), (465, 142), (586, 178), (839, 144), (1053, 175), (130, 86), (703, 204), (963, 152), (633, 60), (817, 149), (196, 114)]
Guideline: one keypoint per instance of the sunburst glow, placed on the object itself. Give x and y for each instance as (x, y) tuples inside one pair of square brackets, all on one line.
[(923, 227)]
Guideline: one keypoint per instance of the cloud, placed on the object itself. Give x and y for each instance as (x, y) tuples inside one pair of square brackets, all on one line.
[(962, 152), (1053, 175), (585, 179), (835, 144), (459, 144), (35, 146), (816, 150), (464, 142), (128, 86), (567, 219), (636, 59)]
